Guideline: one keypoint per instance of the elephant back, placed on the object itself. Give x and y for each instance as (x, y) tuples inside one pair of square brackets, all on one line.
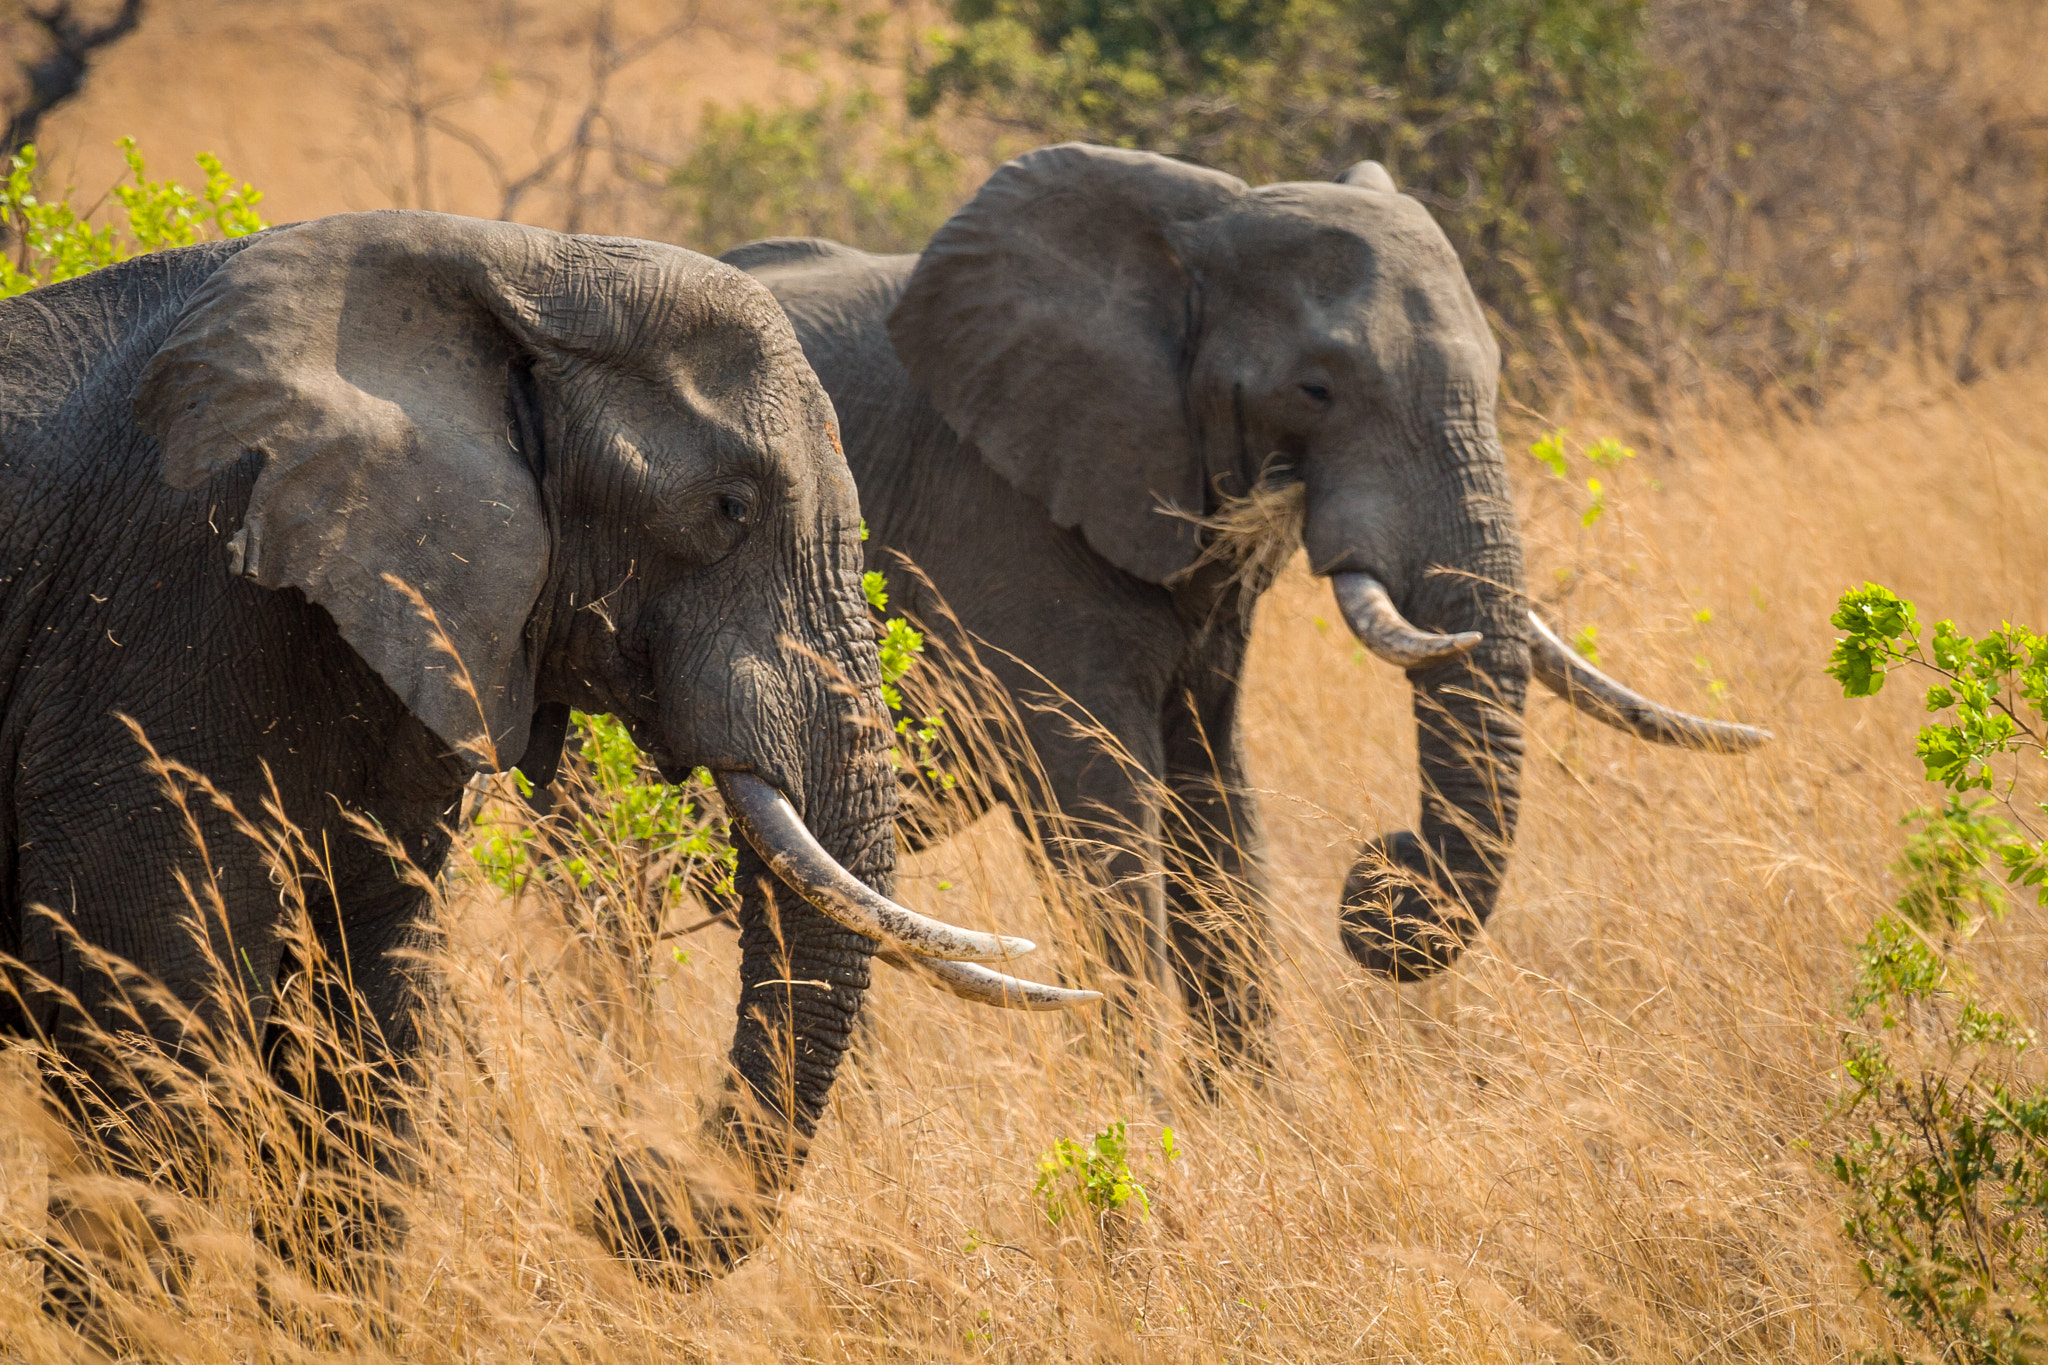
[(77, 347)]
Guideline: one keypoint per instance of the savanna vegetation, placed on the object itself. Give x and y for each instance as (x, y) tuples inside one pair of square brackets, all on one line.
[(1744, 1067)]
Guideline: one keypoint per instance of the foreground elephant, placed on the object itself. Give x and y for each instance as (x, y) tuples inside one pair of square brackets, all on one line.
[(1093, 357), (364, 506)]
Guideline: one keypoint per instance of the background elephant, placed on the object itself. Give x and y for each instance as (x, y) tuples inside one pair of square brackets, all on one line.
[(1095, 358), (364, 506)]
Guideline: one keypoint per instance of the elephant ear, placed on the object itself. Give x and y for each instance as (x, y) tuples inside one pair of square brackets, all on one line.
[(364, 359), (1051, 322)]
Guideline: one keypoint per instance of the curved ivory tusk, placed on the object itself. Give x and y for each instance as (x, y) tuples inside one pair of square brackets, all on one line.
[(985, 987), (1563, 671), (1379, 626), (777, 833)]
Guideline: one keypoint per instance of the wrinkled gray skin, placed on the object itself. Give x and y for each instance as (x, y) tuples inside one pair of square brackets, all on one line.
[(1102, 339), (608, 470)]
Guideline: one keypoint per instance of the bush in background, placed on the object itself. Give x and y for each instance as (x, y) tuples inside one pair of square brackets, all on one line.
[(1857, 180), (56, 242), (1789, 192), (1538, 131), (837, 167)]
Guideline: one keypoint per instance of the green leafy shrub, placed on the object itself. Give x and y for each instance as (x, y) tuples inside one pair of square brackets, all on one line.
[(631, 837), (1095, 1178), (1538, 130), (1594, 468), (900, 647), (1550, 450), (837, 167), (56, 242), (1947, 1176)]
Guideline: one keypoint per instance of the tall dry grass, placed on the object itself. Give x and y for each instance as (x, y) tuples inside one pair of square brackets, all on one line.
[(1598, 1137)]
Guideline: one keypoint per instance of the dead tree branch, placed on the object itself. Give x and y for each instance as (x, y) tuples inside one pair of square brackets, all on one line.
[(561, 165), (60, 72)]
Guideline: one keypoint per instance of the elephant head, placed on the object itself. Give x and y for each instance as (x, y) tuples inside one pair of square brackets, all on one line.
[(1132, 339), (524, 471)]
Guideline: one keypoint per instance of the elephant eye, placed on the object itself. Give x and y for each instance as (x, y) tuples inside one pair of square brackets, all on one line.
[(1319, 392), (734, 508)]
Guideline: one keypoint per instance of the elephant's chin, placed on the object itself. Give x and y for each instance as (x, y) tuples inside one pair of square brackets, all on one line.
[(641, 1220), (1390, 923)]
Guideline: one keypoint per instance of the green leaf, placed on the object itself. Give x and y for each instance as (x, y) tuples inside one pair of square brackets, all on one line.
[(899, 647), (1609, 452), (1095, 1178), (1875, 619), (1599, 506), (58, 244)]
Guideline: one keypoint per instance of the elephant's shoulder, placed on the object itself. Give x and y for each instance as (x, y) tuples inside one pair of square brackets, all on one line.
[(838, 299), (70, 352), (56, 337)]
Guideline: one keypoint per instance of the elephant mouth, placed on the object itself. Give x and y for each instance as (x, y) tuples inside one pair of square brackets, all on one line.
[(945, 954)]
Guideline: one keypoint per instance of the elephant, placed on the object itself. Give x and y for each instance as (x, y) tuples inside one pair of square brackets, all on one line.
[(343, 513), (1052, 410)]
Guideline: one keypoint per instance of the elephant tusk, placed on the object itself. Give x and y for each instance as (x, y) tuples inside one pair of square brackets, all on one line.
[(985, 987), (1563, 671), (1380, 627), (777, 833)]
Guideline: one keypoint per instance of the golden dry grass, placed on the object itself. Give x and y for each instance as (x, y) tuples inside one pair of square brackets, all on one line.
[(1599, 1137)]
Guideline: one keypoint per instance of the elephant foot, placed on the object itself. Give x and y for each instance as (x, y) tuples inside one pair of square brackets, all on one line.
[(691, 1240), (344, 1247), (1246, 1059), (1389, 922), (1239, 1044), (107, 1246)]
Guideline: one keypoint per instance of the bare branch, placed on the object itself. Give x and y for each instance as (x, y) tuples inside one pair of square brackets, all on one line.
[(60, 73), (561, 163)]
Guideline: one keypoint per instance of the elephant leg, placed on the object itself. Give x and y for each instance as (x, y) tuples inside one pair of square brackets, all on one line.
[(343, 1029), (1097, 821), (97, 912), (1217, 906)]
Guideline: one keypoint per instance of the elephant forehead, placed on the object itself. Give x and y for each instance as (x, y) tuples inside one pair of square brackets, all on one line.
[(1373, 212), (730, 382), (1332, 240), (660, 308), (672, 442), (1291, 314)]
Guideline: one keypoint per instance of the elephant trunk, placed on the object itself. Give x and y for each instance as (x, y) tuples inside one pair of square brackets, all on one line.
[(803, 975), (812, 722), (811, 789), (1413, 900)]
